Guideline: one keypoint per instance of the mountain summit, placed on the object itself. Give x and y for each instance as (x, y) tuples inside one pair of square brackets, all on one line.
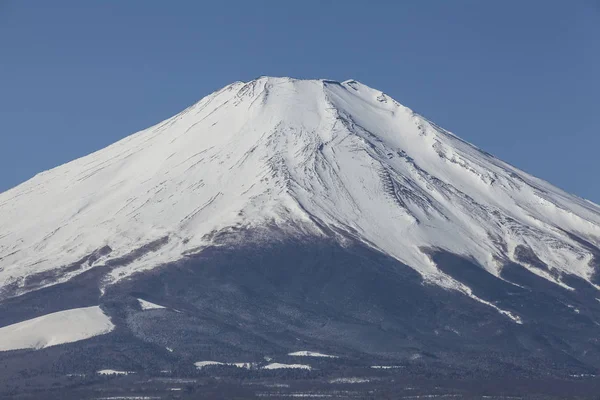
[(281, 209)]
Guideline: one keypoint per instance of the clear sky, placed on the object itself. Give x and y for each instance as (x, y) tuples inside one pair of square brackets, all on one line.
[(518, 78)]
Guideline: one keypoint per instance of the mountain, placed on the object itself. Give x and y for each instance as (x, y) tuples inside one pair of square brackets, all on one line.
[(284, 215)]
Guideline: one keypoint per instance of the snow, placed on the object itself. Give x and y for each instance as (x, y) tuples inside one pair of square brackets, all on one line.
[(284, 366), (310, 395), (305, 353), (202, 364), (287, 152), (146, 305), (350, 380), (435, 396), (128, 398), (246, 365), (113, 372), (57, 328), (575, 309)]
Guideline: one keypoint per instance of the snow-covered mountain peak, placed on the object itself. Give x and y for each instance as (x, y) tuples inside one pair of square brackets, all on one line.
[(312, 157)]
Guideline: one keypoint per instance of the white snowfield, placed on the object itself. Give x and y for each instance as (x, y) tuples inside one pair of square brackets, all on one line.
[(128, 398), (249, 365), (114, 372), (202, 364), (308, 156), (285, 366), (57, 328), (146, 305), (246, 365), (350, 380), (305, 353)]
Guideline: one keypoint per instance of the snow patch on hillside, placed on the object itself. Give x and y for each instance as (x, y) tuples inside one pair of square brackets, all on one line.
[(113, 372), (57, 328), (305, 353), (146, 305), (350, 380), (203, 364), (284, 366)]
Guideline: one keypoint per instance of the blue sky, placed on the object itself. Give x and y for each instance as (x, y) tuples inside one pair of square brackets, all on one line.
[(520, 79)]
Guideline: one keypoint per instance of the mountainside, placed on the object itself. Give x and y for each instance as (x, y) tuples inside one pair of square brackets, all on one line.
[(284, 212), (315, 157)]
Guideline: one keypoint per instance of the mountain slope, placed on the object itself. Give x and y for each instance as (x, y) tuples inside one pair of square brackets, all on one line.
[(281, 217), (311, 156)]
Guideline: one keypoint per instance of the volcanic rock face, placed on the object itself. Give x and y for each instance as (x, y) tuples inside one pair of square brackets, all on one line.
[(283, 210)]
